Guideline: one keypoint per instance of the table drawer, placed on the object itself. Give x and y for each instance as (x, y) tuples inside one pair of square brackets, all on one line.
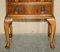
[(30, 9), (29, 0)]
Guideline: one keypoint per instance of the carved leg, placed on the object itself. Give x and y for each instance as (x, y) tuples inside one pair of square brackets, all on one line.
[(49, 30), (10, 30), (6, 28), (52, 22)]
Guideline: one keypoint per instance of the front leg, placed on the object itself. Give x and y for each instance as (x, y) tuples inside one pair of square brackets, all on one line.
[(6, 28), (52, 22)]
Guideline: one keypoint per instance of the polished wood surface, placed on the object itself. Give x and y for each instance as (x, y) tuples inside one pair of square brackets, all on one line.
[(29, 0), (29, 10)]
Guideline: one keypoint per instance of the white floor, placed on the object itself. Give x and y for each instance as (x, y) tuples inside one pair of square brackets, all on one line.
[(30, 43)]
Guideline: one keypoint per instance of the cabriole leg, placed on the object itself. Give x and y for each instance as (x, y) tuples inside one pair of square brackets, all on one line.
[(6, 28), (52, 22)]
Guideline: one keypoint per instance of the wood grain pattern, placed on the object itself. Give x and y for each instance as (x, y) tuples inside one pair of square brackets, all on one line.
[(29, 0), (31, 10)]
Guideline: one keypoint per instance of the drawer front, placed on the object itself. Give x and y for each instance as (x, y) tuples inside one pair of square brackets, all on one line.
[(29, 0), (30, 9), (16, 9)]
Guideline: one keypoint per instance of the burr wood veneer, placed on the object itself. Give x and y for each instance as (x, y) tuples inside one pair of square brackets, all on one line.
[(29, 10)]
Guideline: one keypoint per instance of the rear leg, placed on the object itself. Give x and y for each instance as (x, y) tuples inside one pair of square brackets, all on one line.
[(10, 35)]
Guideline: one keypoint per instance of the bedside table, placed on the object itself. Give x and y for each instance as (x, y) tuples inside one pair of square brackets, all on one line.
[(29, 10)]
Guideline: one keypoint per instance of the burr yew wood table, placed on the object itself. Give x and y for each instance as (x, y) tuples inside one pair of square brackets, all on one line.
[(29, 10)]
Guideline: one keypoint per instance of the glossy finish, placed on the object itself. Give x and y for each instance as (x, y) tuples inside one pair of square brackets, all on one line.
[(29, 0), (29, 10)]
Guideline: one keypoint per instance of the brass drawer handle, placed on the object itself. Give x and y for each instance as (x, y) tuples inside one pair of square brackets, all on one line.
[(17, 8), (42, 9)]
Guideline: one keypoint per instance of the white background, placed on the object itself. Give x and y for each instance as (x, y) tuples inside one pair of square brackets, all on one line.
[(29, 27)]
